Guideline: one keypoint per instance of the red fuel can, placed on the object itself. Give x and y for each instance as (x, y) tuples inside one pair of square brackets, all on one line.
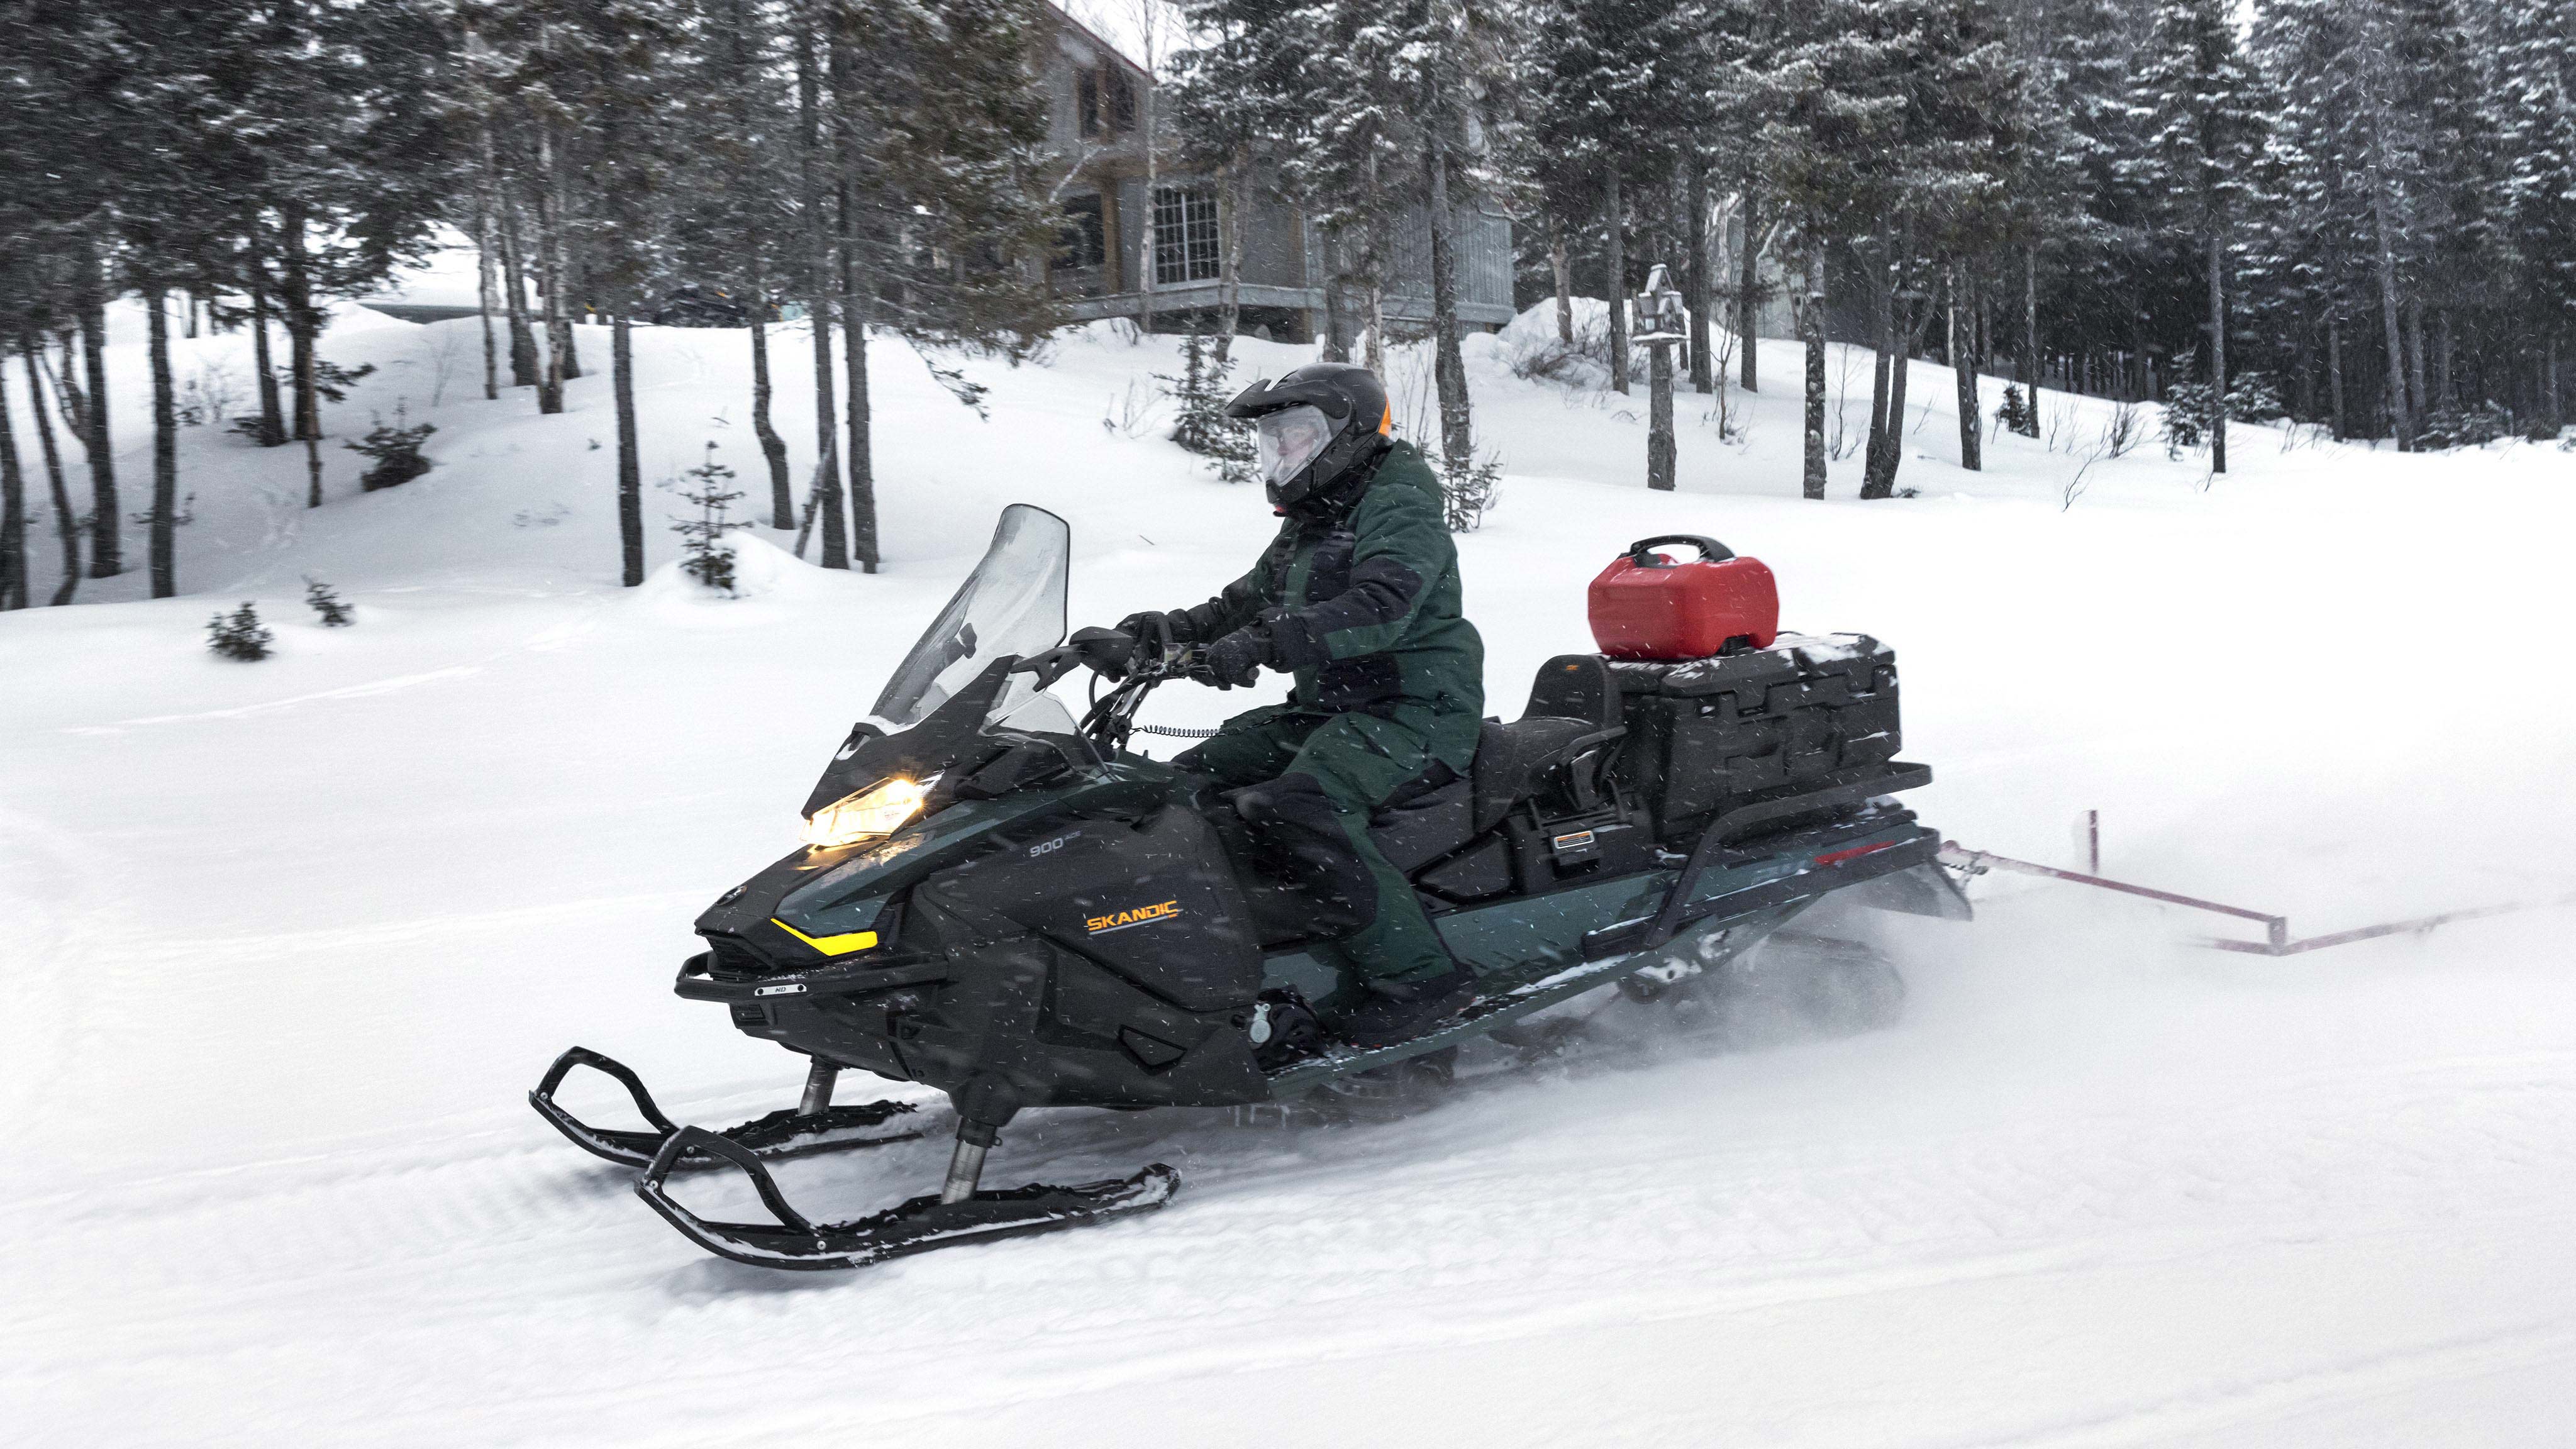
[(1646, 606)]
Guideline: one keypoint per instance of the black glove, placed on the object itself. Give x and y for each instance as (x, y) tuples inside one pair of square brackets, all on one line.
[(1148, 628), (1234, 660)]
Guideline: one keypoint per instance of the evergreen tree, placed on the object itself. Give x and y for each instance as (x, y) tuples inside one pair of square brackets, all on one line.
[(2208, 122)]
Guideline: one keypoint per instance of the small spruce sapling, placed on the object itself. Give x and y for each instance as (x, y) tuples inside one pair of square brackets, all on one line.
[(2015, 413), (239, 636), (335, 611), (704, 554), (1466, 493), (396, 449), (1199, 423)]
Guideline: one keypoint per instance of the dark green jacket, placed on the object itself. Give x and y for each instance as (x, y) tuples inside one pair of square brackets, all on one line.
[(1362, 604)]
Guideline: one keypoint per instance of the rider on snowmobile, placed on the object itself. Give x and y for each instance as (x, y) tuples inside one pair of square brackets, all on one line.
[(1358, 599)]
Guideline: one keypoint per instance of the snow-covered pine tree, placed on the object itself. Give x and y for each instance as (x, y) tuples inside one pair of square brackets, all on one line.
[(326, 602), (2208, 116), (1199, 393), (240, 634), (704, 554), (2534, 115)]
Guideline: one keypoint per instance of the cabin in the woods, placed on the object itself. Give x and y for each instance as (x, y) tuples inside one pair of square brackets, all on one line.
[(1096, 108)]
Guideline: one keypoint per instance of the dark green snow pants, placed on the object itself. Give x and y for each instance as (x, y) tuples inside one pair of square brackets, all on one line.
[(1330, 771)]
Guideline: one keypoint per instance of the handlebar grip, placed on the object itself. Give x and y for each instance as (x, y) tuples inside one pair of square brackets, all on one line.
[(1641, 553)]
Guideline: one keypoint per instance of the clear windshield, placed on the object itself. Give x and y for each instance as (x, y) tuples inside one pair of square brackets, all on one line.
[(1012, 604)]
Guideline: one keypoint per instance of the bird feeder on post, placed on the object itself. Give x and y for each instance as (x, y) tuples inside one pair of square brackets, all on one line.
[(1660, 324)]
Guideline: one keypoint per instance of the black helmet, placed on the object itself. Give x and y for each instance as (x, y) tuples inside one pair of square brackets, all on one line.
[(1319, 425)]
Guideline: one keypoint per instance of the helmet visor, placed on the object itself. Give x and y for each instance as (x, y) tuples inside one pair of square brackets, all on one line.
[(1289, 440)]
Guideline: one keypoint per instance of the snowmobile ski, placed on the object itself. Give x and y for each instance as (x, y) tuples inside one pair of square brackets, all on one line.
[(789, 1132), (914, 1226)]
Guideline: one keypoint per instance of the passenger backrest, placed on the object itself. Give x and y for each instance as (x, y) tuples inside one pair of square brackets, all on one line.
[(1575, 686)]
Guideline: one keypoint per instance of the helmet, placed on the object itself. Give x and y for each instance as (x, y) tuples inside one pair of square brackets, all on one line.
[(1319, 425)]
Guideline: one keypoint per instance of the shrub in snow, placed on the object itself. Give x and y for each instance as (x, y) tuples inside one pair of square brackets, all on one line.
[(1465, 493), (396, 449), (2467, 427), (240, 635), (333, 609), (1199, 423), (704, 554), (2251, 398), (2015, 412), (333, 381)]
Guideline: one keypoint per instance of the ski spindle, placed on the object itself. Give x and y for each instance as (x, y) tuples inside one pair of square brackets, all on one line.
[(966, 1164), (819, 1078)]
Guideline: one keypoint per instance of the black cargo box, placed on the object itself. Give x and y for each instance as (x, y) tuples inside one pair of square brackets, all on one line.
[(1706, 735)]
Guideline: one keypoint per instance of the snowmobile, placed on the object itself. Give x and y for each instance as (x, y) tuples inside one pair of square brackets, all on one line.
[(1014, 908)]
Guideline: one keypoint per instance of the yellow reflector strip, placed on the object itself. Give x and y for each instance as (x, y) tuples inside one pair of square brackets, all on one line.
[(841, 945)]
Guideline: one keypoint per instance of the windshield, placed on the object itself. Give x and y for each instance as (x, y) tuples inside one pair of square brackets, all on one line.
[(1012, 604)]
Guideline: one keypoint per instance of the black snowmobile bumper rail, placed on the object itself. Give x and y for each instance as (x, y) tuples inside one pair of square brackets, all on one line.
[(777, 1135), (696, 984), (916, 1226)]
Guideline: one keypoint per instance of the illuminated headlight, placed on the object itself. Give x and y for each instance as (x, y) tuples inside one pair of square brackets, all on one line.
[(881, 809)]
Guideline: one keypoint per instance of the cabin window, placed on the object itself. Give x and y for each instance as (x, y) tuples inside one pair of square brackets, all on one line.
[(1185, 243), (1082, 242), (1104, 101), (1122, 98)]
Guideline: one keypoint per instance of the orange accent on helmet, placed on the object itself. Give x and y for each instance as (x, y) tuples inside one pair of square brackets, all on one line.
[(1386, 424)]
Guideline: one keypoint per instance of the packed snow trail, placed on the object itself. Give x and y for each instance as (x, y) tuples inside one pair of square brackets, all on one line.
[(291, 940)]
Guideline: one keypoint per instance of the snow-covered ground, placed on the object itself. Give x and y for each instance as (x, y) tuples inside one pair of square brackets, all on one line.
[(288, 942)]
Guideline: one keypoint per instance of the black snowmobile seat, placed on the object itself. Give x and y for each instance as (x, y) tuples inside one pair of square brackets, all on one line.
[(1574, 698)]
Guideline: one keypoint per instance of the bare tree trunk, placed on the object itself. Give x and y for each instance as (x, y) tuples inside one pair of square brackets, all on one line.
[(1146, 243), (1234, 198), (550, 275), (13, 502), (1811, 330), (1748, 296), (1702, 274), (1963, 364), (1900, 366), (1374, 356), (630, 468), (1563, 271), (863, 480), (272, 412), (817, 250), (485, 294), (773, 448), (576, 290), (1449, 366), (2334, 373), (2442, 358), (66, 525), (106, 558), (1614, 220), (302, 325), (2400, 415), (857, 296), (303, 329), (2030, 362), (2549, 390), (523, 336), (2418, 400), (1883, 312), (165, 444), (2217, 353)]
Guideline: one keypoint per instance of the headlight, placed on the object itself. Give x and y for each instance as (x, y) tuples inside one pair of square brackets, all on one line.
[(881, 809)]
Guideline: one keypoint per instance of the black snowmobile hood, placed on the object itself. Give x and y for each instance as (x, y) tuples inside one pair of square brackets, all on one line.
[(948, 732)]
